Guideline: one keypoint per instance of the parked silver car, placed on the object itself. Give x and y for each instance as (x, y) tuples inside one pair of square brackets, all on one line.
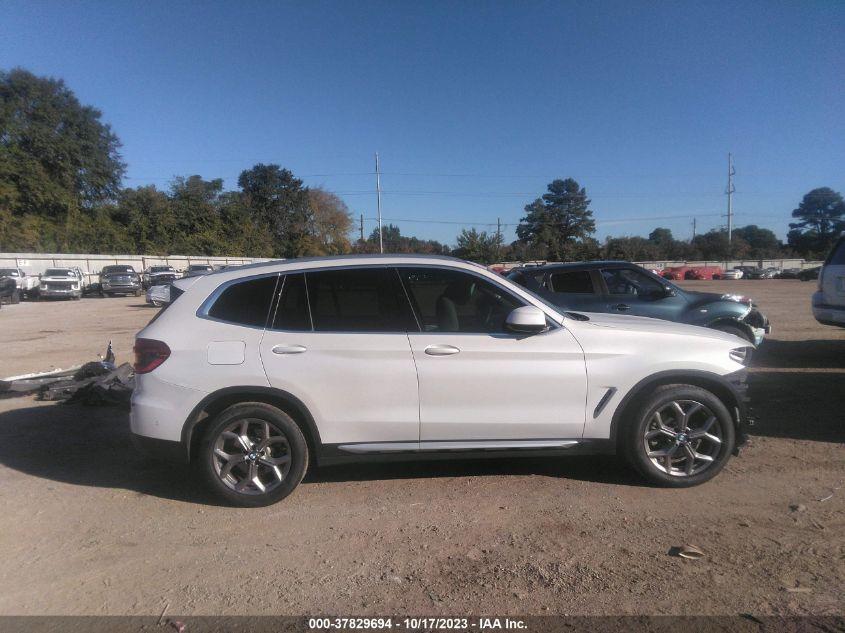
[(63, 283)]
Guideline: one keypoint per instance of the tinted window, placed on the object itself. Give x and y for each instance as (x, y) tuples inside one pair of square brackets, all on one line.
[(837, 255), (454, 301), (118, 269), (624, 281), (59, 272), (577, 281), (292, 311), (358, 300), (245, 302)]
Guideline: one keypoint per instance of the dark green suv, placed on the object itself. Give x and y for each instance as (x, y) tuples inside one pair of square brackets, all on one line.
[(625, 288)]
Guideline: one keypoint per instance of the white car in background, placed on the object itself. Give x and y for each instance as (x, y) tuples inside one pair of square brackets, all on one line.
[(27, 285), (734, 273), (829, 301), (64, 283), (257, 371)]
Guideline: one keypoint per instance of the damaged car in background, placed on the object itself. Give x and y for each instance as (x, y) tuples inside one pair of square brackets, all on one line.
[(119, 279), (65, 283), (160, 275), (625, 288), (26, 285)]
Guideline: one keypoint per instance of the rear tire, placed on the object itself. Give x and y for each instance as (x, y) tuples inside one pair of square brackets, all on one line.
[(679, 436), (253, 454), (16, 297)]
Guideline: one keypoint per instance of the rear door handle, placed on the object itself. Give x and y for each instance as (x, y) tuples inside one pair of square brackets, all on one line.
[(622, 307), (289, 349), (441, 350)]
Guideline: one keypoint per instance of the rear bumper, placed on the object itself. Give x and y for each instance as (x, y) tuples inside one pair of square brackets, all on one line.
[(827, 314), (162, 450)]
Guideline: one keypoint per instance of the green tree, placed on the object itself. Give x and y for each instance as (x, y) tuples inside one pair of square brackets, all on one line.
[(57, 158), (762, 243), (478, 246), (331, 223), (714, 246), (277, 199), (196, 210), (558, 221), (631, 249), (821, 219)]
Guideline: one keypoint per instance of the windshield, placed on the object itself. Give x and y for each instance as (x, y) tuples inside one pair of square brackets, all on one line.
[(58, 272), (199, 267), (8, 272), (161, 269), (117, 269)]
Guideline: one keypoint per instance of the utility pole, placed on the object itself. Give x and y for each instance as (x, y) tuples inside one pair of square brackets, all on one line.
[(362, 227), (498, 238), (730, 191), (378, 203)]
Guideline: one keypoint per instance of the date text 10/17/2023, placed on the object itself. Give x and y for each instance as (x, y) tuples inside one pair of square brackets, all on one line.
[(416, 624)]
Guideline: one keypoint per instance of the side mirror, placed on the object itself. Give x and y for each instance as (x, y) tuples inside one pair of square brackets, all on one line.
[(668, 291), (526, 320)]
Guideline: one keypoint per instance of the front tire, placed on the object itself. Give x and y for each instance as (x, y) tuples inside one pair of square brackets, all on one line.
[(253, 454), (680, 436)]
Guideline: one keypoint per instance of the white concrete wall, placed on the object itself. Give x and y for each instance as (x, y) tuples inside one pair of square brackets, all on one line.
[(35, 263)]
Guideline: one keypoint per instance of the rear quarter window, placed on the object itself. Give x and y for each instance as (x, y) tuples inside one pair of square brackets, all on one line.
[(245, 302)]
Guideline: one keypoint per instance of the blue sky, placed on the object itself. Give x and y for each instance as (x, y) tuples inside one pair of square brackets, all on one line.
[(473, 106)]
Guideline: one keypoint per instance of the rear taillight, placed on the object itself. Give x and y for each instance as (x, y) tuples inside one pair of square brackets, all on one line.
[(149, 354)]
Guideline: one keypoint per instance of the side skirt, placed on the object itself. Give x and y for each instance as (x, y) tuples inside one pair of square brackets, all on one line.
[(444, 450)]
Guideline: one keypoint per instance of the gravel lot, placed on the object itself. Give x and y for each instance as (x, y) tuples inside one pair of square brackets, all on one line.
[(90, 527)]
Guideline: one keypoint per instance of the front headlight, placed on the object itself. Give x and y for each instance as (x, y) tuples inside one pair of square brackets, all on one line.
[(739, 355)]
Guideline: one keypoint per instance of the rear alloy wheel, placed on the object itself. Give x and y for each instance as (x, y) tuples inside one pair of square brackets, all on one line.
[(682, 436), (254, 454)]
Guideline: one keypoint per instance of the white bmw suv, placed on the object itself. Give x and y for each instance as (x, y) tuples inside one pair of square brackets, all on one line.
[(255, 372)]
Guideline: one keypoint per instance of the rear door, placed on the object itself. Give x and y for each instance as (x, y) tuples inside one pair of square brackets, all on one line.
[(576, 290), (833, 276), (338, 342)]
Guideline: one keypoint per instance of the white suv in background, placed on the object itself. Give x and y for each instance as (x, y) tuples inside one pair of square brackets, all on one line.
[(255, 372), (829, 301)]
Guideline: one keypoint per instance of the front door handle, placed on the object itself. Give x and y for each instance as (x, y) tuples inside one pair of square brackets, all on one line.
[(622, 307), (289, 349), (441, 350)]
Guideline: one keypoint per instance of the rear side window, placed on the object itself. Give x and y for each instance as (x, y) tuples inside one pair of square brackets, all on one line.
[(246, 302), (358, 300), (292, 312), (576, 281), (837, 255)]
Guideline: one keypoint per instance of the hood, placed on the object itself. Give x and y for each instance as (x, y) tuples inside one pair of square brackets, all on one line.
[(62, 278), (646, 325)]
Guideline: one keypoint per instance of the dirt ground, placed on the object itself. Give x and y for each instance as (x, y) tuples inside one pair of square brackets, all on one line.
[(90, 527)]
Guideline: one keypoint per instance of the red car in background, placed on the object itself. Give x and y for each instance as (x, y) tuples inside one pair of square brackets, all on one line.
[(676, 272), (703, 272)]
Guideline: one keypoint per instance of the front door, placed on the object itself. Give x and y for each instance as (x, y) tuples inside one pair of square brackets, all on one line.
[(338, 342), (478, 381), (637, 293)]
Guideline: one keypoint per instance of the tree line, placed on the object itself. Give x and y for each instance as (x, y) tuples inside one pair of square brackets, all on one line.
[(61, 176)]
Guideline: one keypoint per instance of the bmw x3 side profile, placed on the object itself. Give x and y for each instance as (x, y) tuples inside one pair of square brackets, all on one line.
[(254, 373)]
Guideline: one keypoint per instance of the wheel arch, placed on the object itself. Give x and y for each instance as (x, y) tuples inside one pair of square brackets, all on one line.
[(736, 322), (720, 386), (219, 400)]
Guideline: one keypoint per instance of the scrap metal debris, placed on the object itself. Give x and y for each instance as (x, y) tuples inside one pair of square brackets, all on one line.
[(94, 383)]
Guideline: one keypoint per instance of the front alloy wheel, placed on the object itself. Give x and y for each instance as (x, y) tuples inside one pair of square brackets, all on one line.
[(679, 436), (683, 438), (253, 454)]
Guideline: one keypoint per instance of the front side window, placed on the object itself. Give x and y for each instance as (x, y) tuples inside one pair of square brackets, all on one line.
[(576, 281), (246, 302), (454, 301), (358, 300), (624, 281)]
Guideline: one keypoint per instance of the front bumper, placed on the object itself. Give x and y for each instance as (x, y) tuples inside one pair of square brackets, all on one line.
[(60, 292), (743, 413), (110, 287)]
